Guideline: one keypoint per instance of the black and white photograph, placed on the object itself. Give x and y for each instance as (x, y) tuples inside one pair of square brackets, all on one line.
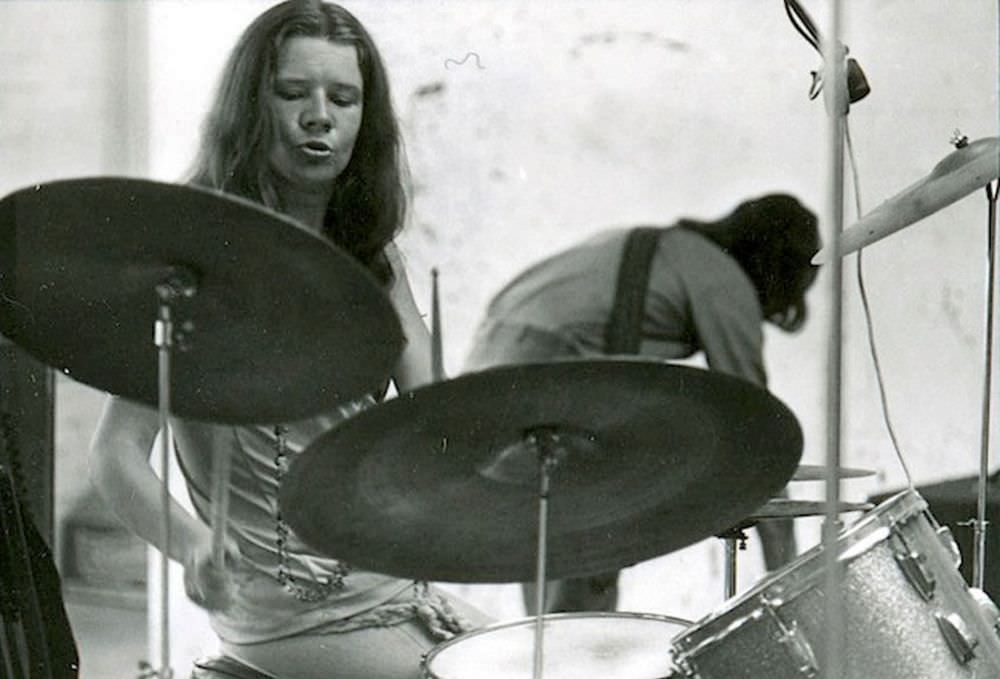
[(499, 339)]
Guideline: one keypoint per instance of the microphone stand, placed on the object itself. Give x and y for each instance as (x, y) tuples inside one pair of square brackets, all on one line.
[(837, 103)]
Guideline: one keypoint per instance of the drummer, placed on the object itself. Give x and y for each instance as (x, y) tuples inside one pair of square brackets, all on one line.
[(301, 123), (666, 293)]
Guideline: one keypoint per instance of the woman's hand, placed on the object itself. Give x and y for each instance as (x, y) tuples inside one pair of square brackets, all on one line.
[(208, 584)]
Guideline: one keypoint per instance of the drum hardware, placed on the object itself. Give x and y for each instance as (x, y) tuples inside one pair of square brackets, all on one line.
[(817, 472), (956, 634), (794, 643), (85, 259), (608, 645), (969, 167), (914, 567), (644, 451), (91, 261), (735, 538), (609, 486), (894, 628)]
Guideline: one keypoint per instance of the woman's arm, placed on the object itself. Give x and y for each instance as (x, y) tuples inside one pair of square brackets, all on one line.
[(414, 366), (120, 470)]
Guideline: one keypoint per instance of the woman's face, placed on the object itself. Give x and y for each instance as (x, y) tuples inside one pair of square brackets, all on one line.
[(316, 106)]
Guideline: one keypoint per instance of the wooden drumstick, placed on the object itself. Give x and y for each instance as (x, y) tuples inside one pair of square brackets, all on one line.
[(437, 353), (220, 505)]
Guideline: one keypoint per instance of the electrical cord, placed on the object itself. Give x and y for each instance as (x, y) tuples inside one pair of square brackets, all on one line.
[(869, 325)]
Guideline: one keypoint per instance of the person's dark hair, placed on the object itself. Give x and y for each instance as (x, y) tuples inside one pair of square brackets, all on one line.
[(773, 238), (368, 205)]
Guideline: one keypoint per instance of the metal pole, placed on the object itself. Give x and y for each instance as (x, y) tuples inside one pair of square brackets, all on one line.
[(546, 462), (837, 105), (979, 526), (163, 334)]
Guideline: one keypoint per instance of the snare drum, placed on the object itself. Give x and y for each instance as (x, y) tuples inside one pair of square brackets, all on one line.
[(908, 612), (575, 645)]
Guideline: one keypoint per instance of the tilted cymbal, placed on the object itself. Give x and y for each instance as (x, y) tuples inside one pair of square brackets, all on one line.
[(442, 483), (282, 324), (818, 472), (783, 508), (960, 173)]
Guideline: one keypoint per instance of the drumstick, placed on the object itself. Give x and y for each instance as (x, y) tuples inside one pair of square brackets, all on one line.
[(437, 353), (220, 505)]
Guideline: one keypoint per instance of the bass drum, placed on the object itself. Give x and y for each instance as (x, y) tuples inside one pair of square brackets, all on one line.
[(908, 612), (575, 645)]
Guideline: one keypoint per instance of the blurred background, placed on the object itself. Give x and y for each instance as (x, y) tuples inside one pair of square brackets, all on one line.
[(528, 126)]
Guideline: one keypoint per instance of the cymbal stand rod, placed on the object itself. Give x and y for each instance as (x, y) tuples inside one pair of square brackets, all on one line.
[(163, 337), (546, 462), (734, 541), (979, 525), (180, 283)]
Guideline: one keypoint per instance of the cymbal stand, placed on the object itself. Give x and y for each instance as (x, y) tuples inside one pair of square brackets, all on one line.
[(979, 525), (735, 540), (179, 283), (545, 441)]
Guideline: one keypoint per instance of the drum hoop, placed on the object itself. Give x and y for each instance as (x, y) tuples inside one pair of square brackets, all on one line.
[(872, 528), (530, 620)]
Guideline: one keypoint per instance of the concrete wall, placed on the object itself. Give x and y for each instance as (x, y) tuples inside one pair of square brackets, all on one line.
[(531, 124)]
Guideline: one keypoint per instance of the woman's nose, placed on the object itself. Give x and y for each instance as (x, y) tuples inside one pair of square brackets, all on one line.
[(317, 114)]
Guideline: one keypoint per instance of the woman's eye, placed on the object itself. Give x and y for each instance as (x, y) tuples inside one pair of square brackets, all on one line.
[(290, 95), (343, 99)]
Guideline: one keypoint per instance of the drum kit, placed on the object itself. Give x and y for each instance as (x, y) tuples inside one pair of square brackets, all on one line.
[(511, 474)]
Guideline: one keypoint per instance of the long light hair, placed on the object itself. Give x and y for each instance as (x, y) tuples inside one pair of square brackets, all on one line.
[(368, 204)]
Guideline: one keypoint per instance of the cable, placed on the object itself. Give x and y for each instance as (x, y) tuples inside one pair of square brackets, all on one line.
[(802, 23), (883, 398)]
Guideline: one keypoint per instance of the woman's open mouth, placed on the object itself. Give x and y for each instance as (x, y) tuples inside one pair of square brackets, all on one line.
[(316, 149)]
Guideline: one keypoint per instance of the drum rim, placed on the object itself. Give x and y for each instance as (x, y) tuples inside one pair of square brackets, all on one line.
[(530, 620)]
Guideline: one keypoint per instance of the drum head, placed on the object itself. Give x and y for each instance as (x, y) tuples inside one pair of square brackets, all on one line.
[(606, 645)]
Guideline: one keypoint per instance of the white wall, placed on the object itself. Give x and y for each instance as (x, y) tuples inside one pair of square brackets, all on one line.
[(586, 114), (581, 114)]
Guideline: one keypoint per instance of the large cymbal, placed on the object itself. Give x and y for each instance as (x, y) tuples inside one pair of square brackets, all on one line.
[(960, 173), (818, 472), (441, 483), (284, 324)]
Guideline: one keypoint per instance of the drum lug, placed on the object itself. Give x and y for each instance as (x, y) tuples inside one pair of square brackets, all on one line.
[(795, 643), (947, 539), (987, 607), (956, 634), (914, 568)]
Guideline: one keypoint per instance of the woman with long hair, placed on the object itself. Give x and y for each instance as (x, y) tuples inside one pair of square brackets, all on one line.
[(302, 123)]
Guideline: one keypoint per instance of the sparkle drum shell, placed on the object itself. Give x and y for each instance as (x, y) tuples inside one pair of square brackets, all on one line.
[(575, 645), (908, 612)]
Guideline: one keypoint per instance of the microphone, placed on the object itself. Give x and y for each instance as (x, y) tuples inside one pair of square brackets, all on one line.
[(857, 83)]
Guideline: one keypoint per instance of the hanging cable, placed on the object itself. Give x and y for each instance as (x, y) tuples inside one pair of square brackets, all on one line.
[(879, 377)]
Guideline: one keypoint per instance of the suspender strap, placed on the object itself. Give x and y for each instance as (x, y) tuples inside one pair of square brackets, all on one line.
[(623, 334)]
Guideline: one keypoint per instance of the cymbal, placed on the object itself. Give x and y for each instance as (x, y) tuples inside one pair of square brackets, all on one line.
[(960, 173), (442, 483), (783, 508), (817, 472), (282, 324)]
